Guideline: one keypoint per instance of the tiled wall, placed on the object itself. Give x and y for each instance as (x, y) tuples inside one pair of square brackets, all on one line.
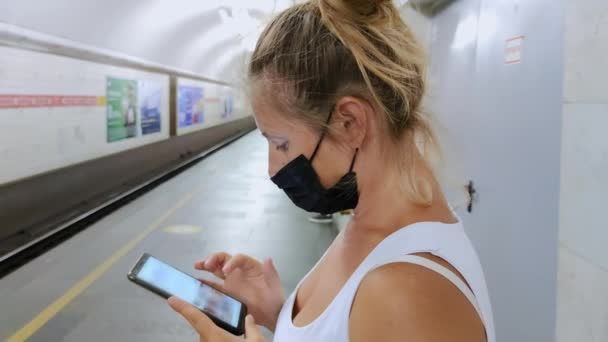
[(36, 140), (582, 305)]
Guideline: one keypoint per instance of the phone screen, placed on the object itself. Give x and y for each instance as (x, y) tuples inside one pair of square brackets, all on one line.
[(182, 285)]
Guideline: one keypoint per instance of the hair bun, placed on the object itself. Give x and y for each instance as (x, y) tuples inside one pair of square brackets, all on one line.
[(357, 8)]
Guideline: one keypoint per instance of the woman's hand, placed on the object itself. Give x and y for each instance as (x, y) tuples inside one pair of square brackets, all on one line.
[(207, 330), (255, 284)]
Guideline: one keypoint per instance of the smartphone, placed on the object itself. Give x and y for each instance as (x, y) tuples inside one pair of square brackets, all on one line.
[(166, 281)]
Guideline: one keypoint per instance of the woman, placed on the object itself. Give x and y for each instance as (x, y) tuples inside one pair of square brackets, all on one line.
[(336, 90)]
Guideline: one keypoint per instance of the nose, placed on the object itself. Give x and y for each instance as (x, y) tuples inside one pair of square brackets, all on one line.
[(272, 170), (272, 165)]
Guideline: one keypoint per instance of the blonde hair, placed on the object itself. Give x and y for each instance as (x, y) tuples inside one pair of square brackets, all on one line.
[(321, 50)]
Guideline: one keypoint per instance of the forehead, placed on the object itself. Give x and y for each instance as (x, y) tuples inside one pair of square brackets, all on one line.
[(269, 107), (272, 110), (267, 115)]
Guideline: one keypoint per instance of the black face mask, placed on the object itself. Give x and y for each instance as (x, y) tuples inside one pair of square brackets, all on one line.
[(301, 183)]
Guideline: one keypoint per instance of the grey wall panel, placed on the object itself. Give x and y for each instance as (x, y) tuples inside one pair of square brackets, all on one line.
[(507, 118), (29, 207)]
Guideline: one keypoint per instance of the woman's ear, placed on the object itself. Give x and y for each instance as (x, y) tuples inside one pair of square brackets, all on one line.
[(351, 120)]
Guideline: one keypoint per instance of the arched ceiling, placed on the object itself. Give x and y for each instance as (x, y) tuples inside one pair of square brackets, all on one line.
[(208, 37)]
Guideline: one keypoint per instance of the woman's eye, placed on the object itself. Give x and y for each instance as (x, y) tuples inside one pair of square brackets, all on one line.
[(283, 147)]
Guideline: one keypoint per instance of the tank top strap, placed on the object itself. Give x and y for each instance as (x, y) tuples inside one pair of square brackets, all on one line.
[(416, 238)]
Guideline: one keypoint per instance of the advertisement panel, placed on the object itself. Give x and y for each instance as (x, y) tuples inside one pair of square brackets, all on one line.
[(121, 114)]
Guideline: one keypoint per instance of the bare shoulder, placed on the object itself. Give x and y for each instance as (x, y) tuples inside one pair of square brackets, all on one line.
[(402, 300)]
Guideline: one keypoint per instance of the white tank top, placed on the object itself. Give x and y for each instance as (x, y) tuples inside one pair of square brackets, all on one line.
[(447, 241)]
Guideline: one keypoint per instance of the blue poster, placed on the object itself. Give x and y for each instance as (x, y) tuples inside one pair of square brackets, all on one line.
[(150, 97), (228, 106), (190, 106)]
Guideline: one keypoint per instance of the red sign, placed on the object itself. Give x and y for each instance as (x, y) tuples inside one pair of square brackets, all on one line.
[(513, 50), (37, 101), (212, 99)]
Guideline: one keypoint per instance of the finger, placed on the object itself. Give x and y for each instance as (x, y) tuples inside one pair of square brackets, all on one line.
[(215, 285), (203, 325), (241, 261), (213, 261), (252, 332), (214, 264)]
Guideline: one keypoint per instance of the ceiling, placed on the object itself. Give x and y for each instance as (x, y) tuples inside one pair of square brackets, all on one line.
[(208, 37)]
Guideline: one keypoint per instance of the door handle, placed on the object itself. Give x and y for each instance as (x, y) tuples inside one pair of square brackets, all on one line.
[(472, 193)]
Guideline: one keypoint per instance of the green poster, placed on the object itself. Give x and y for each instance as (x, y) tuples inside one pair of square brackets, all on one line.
[(122, 108)]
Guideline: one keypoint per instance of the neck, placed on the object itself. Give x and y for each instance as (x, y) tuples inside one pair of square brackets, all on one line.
[(384, 208)]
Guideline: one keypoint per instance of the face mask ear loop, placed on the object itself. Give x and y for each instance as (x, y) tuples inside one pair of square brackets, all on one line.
[(352, 164), (322, 134)]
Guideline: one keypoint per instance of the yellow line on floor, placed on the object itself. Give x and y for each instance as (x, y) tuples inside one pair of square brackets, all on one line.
[(50, 311)]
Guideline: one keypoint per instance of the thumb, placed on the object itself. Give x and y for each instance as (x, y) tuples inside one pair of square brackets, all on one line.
[(270, 272), (271, 275), (203, 325), (252, 332)]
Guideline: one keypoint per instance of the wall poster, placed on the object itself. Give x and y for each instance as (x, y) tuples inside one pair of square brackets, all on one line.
[(228, 100), (191, 108), (122, 108), (150, 99)]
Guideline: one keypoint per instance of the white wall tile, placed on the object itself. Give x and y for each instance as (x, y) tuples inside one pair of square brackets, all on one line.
[(37, 140), (584, 181), (582, 305), (586, 51)]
